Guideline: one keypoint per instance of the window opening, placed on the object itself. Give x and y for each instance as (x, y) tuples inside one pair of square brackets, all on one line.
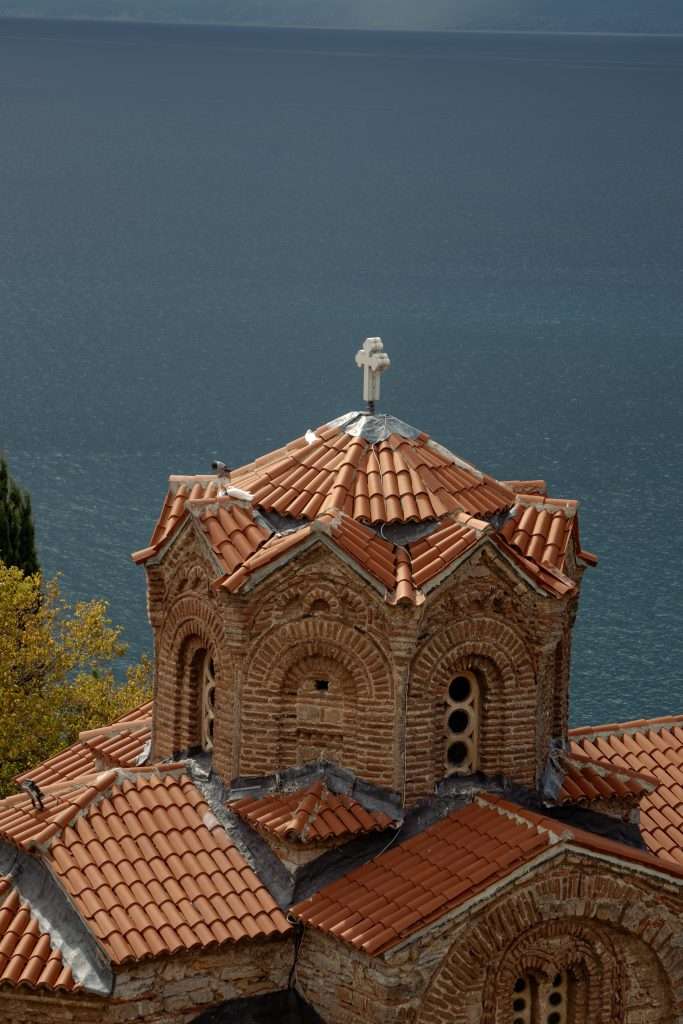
[(208, 702), (322, 684), (522, 1001), (462, 724)]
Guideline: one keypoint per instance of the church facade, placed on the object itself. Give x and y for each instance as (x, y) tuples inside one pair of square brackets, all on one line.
[(355, 796)]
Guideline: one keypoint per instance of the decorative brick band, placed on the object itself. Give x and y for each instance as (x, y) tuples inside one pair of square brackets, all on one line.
[(598, 928), (284, 716)]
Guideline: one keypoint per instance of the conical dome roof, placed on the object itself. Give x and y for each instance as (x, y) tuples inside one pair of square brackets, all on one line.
[(403, 507), (375, 469)]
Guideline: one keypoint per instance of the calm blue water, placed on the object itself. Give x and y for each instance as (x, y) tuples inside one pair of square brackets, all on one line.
[(198, 227)]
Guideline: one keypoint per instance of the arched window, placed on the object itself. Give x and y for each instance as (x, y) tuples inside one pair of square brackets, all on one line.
[(542, 1002), (462, 724), (207, 709)]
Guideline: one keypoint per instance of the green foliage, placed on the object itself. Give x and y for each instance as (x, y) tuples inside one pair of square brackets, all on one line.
[(17, 536), (56, 672)]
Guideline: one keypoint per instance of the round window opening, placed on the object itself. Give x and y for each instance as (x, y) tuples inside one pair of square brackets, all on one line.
[(458, 753), (459, 721), (460, 689)]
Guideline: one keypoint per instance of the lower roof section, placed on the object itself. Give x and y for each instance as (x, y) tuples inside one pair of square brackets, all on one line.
[(284, 1007), (655, 747), (475, 848)]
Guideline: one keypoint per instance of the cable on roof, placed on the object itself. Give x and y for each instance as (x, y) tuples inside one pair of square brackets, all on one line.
[(299, 935)]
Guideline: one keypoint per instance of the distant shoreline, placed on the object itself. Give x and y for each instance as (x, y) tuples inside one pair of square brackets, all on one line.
[(317, 29)]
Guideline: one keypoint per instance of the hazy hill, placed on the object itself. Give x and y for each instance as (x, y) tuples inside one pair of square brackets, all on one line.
[(497, 15)]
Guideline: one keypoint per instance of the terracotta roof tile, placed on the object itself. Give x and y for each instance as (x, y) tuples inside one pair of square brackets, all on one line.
[(401, 891), (540, 532), (546, 576), (398, 479), (346, 484), (437, 869), (311, 815), (144, 861), (435, 553), (538, 488), (587, 780), (118, 744), (27, 956), (653, 747)]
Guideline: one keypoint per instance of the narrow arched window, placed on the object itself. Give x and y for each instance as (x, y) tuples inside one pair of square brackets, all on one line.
[(462, 724), (208, 701)]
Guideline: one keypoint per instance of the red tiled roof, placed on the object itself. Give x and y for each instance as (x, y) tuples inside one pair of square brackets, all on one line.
[(587, 780), (145, 862), (545, 576), (341, 484), (120, 743), (655, 747), (310, 815), (21, 823), (398, 479), (535, 487), (435, 553), (401, 891), (231, 530), (27, 956), (540, 532)]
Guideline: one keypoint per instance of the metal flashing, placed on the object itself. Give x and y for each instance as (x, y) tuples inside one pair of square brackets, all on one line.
[(373, 427), (253, 848), (58, 918)]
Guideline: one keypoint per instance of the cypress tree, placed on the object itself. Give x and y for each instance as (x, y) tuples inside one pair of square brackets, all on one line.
[(17, 534)]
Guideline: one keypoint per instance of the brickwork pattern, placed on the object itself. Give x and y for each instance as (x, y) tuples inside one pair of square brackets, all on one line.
[(500, 658), (619, 936), (382, 714), (284, 718), (187, 622)]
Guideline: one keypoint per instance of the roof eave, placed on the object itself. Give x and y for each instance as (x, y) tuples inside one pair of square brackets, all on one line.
[(313, 538)]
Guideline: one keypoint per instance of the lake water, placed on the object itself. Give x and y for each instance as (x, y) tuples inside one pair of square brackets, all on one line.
[(198, 227)]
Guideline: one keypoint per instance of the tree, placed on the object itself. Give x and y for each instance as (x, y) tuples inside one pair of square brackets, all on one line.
[(56, 672), (17, 536)]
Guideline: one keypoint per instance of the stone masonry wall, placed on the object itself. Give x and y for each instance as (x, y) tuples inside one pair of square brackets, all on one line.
[(172, 990)]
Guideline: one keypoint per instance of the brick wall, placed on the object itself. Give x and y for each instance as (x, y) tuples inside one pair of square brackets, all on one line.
[(387, 669)]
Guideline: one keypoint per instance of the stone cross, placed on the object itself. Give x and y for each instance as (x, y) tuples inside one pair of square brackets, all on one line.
[(373, 360)]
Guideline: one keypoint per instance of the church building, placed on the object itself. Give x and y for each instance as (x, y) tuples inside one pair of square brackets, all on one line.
[(355, 796)]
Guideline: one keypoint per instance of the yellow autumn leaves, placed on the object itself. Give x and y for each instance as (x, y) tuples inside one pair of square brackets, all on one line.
[(56, 672)]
